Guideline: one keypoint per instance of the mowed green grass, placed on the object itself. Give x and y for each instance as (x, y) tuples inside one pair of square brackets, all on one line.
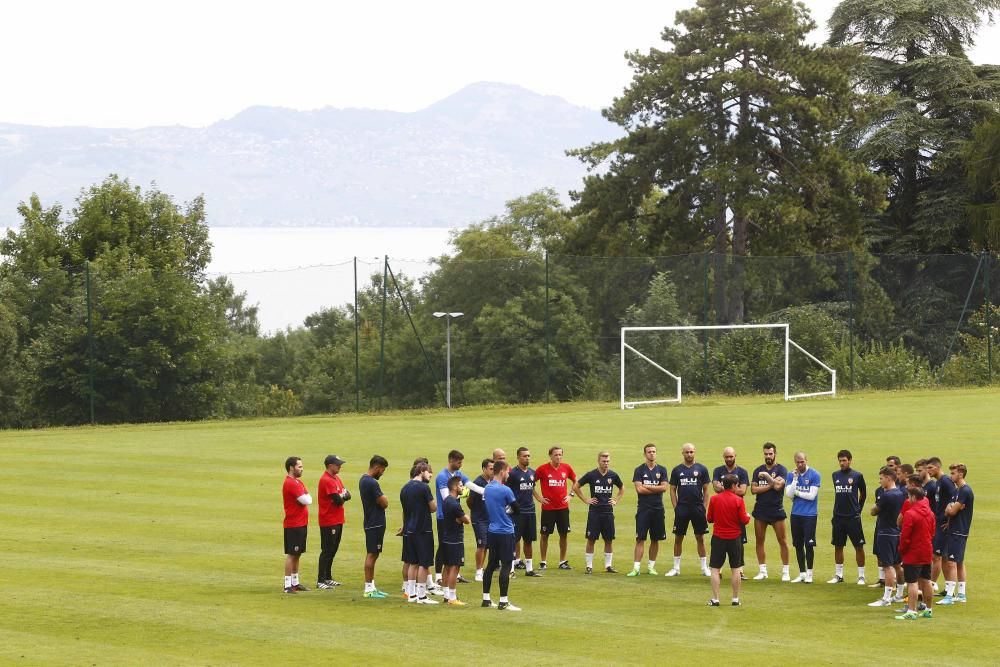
[(161, 544)]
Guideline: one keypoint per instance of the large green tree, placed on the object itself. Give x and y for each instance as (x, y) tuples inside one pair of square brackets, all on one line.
[(932, 97), (731, 145)]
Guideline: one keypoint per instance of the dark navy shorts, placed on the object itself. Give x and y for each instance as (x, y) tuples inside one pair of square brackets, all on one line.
[(600, 524), (650, 522)]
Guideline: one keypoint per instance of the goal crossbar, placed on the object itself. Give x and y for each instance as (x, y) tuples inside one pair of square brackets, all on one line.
[(788, 343)]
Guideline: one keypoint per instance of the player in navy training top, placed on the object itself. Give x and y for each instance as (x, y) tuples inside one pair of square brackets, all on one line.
[(887, 507), (959, 516), (601, 504), (689, 484), (521, 481), (651, 482), (479, 517), (768, 483), (939, 502), (418, 504), (452, 541), (849, 495), (373, 504)]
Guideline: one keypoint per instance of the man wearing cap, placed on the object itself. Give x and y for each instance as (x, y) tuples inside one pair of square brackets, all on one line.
[(331, 498)]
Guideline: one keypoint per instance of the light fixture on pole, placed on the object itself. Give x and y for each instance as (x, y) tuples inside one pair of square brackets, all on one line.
[(447, 318)]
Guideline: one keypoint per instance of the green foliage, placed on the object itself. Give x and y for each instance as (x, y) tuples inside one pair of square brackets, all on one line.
[(892, 366), (982, 159), (970, 366)]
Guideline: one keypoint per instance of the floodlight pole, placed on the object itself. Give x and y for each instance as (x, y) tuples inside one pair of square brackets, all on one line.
[(447, 327)]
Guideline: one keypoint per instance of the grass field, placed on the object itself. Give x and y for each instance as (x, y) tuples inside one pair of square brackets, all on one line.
[(161, 544)]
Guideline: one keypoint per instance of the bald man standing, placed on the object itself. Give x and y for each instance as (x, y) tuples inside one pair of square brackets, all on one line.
[(729, 467)]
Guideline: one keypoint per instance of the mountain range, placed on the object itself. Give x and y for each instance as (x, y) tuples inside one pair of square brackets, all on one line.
[(454, 162)]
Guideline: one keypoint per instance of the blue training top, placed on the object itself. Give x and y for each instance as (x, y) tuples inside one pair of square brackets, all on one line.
[(497, 497), (441, 482), (806, 481)]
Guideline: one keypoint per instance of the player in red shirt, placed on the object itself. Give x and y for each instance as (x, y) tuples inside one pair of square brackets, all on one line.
[(296, 499), (728, 514), (330, 496), (556, 481)]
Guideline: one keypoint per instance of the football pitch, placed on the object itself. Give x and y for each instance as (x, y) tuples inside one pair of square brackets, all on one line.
[(161, 544)]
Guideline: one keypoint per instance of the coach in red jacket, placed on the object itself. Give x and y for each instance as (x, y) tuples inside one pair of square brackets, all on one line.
[(917, 552), (728, 514)]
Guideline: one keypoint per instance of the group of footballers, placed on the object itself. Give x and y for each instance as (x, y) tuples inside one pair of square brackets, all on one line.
[(923, 517)]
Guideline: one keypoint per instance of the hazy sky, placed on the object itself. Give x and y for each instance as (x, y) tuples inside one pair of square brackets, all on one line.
[(134, 63)]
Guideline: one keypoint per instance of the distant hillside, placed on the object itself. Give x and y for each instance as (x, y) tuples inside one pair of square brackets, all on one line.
[(452, 163)]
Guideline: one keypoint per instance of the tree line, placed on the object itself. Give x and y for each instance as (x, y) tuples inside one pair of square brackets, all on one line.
[(849, 187)]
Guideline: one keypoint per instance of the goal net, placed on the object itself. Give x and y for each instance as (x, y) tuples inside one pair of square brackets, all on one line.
[(659, 363)]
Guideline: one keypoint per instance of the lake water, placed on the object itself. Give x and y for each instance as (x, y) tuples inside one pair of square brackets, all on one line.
[(291, 272)]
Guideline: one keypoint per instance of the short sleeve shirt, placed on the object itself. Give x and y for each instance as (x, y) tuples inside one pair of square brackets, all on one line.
[(497, 497), (296, 514), (889, 504), (961, 523), (451, 530), (602, 487), (522, 483), (647, 476), (690, 481), (848, 487), (441, 482), (477, 508), (806, 481), (770, 500), (741, 474), (371, 491), (415, 497), (555, 484), (330, 514)]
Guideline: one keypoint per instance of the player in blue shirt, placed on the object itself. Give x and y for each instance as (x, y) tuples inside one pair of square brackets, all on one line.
[(453, 469), (959, 523), (887, 508), (521, 481), (768, 486), (689, 484), (601, 505), (802, 486), (651, 482), (451, 539), (373, 504), (418, 504), (500, 505), (849, 495), (480, 520)]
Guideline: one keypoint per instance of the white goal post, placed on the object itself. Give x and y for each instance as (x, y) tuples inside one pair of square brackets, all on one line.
[(788, 344)]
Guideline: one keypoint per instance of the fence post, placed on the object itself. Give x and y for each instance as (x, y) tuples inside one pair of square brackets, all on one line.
[(357, 343), (90, 344), (381, 352), (704, 321), (850, 310), (989, 320), (546, 326)]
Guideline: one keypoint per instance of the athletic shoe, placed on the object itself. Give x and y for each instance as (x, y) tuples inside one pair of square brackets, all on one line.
[(564, 565), (651, 571), (784, 576), (706, 572), (736, 603), (837, 579), (290, 590), (880, 603), (907, 616), (411, 598), (532, 573), (861, 581), (506, 606), (760, 576), (633, 573), (479, 577), (799, 579), (589, 570), (960, 597), (519, 565), (947, 599), (743, 577), (382, 594), (300, 588), (713, 603), (455, 603), (427, 601), (435, 590), (322, 585), (899, 598), (672, 572), (543, 565), (610, 570), (486, 604), (880, 584), (926, 613), (377, 595), (462, 580), (808, 579)]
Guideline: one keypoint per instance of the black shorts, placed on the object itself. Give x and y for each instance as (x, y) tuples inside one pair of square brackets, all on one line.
[(479, 529), (723, 549), (600, 524), (803, 530), (651, 522), (684, 515), (845, 527), (555, 519), (914, 573), (373, 539), (955, 547), (887, 550), (501, 545), (453, 554), (769, 516), (329, 538), (525, 527), (295, 540), (418, 549)]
